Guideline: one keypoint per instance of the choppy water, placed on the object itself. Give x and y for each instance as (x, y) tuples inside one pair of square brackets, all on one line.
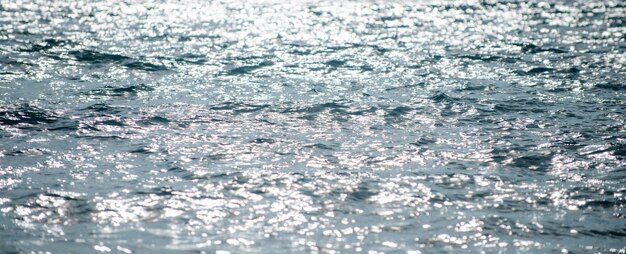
[(312, 126)]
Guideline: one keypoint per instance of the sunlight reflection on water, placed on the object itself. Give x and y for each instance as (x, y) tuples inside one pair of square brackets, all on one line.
[(312, 126)]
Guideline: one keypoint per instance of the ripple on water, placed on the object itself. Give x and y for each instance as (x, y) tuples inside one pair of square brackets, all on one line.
[(312, 126)]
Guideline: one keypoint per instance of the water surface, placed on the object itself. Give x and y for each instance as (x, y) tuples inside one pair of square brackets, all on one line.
[(312, 126)]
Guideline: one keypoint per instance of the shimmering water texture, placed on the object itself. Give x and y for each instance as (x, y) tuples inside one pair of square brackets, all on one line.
[(312, 126)]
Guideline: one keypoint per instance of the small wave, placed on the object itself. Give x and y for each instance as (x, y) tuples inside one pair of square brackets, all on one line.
[(335, 63), (238, 108), (420, 84), (26, 114), (362, 193), (91, 56), (192, 59), (28, 152), (145, 66), (154, 120), (321, 146), (400, 111), (533, 162), (530, 48), (611, 86), (16, 63), (103, 108), (489, 58), (312, 110), (111, 91), (442, 97), (45, 45), (54, 208), (95, 57), (242, 70), (526, 106), (536, 70)]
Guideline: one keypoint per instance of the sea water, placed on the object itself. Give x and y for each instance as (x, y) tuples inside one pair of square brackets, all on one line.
[(312, 126)]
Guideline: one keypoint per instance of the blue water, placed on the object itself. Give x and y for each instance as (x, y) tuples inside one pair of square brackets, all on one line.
[(312, 126)]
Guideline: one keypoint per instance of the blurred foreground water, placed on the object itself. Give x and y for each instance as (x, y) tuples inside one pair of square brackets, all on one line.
[(312, 126)]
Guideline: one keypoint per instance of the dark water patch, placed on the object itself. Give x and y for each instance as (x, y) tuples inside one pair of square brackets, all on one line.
[(192, 59), (380, 49), (242, 70), (421, 84), (571, 70), (8, 73), (248, 57), (522, 106), (6, 247), (177, 170), (569, 144), (533, 162), (145, 66), (615, 86), (100, 137), (64, 124), (104, 108), (238, 107), (16, 63), (46, 45), (28, 152), (499, 155), (604, 203), (142, 150), (365, 68), (111, 91), (442, 97), (53, 208), (154, 120), (530, 48), (390, 18), (227, 176), (96, 57), (159, 191), (110, 122), (362, 193), (226, 106), (617, 233), (321, 146), (618, 149), (26, 114), (487, 58), (399, 111), (423, 141), (536, 70), (215, 157), (617, 21), (190, 37), (559, 89), (311, 112), (335, 63), (341, 64), (331, 106)]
